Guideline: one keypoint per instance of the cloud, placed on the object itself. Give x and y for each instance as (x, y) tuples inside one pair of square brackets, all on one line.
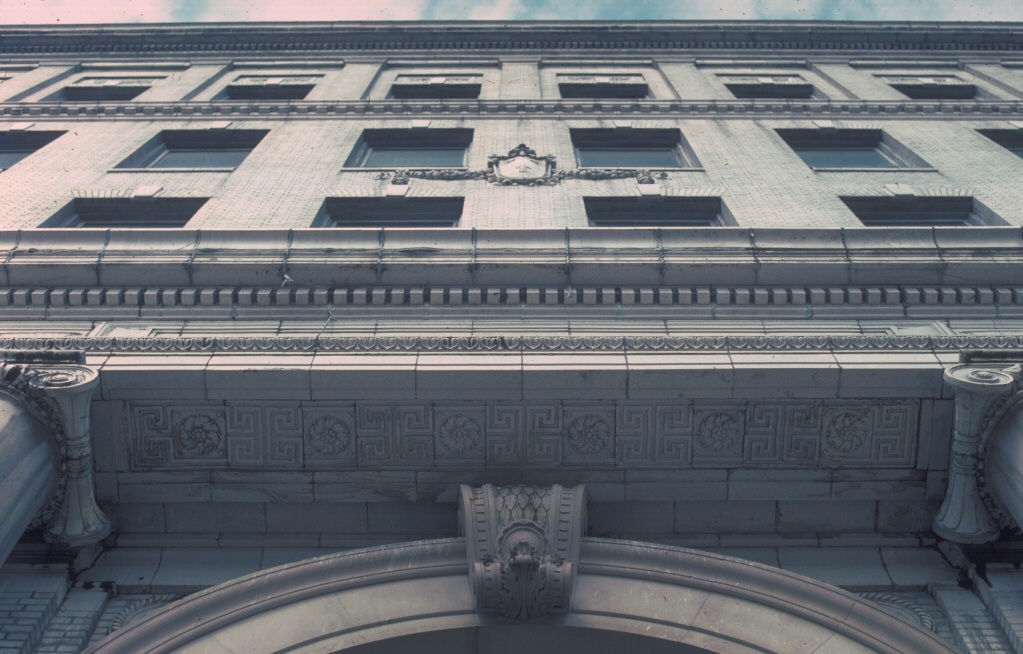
[(311, 10), (150, 11), (70, 12)]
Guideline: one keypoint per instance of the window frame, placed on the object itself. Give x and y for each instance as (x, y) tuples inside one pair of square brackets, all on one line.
[(233, 87), (406, 213), (1009, 139), (849, 139), (26, 143), (131, 91), (437, 86), (603, 86), (671, 140), (124, 212), (742, 90), (913, 211), (378, 140), (147, 157), (710, 211)]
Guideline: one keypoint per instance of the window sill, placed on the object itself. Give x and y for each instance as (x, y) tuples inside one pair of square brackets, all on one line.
[(647, 168), (393, 168), (170, 170), (874, 170)]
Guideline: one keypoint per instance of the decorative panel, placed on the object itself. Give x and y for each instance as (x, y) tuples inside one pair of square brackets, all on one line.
[(380, 435)]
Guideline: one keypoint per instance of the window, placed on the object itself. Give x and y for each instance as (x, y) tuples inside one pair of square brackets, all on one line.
[(849, 149), (654, 212), (262, 87), (920, 211), (390, 212), (415, 87), (1010, 139), (126, 212), (932, 87), (105, 89), (410, 148), (767, 86), (205, 149), (15, 145), (632, 148), (603, 86)]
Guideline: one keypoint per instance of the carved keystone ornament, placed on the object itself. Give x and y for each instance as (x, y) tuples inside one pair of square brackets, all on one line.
[(522, 544)]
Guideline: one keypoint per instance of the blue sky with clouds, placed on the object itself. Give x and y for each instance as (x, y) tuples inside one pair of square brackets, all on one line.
[(177, 11)]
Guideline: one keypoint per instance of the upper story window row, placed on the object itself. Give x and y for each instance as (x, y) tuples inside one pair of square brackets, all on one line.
[(575, 80), (824, 149)]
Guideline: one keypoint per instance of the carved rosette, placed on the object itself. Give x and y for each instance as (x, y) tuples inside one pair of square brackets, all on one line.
[(963, 517), (522, 544), (59, 395)]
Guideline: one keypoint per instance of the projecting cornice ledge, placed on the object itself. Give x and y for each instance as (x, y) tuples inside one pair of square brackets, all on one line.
[(321, 258)]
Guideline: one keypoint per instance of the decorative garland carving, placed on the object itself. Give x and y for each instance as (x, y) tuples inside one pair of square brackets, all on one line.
[(139, 609), (996, 411), (902, 608), (59, 397), (522, 544)]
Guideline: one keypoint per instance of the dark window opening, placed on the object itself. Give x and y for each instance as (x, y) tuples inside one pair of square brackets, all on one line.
[(105, 89), (269, 88), (425, 87), (126, 212), (748, 87), (390, 212), (918, 211), (940, 87), (654, 212), (848, 149), (18, 144), (212, 149), (631, 148), (1010, 139), (603, 86), (410, 148)]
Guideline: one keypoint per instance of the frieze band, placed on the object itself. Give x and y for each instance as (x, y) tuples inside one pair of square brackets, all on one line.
[(375, 435)]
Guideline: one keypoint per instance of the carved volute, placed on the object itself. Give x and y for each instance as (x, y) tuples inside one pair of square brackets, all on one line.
[(522, 544)]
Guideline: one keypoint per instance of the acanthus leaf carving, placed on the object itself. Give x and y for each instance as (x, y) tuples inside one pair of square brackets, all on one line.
[(522, 544)]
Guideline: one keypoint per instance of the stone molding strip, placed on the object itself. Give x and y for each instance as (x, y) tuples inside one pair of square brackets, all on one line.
[(488, 36), (478, 109), (271, 344), (793, 602), (99, 299), (578, 257)]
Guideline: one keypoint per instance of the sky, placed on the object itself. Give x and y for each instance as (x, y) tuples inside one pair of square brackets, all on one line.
[(23, 12)]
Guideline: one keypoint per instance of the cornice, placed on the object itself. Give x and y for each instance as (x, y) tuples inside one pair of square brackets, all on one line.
[(554, 108), (485, 344), (510, 36)]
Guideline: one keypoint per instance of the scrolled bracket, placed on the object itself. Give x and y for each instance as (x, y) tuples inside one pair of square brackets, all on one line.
[(522, 544), (964, 517), (77, 521)]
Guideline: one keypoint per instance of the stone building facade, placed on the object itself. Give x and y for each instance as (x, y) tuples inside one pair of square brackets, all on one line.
[(554, 318)]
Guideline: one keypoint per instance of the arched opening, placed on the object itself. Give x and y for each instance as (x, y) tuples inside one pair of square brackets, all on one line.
[(628, 597)]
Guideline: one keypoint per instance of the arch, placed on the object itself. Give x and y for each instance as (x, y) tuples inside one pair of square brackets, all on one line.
[(636, 596)]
